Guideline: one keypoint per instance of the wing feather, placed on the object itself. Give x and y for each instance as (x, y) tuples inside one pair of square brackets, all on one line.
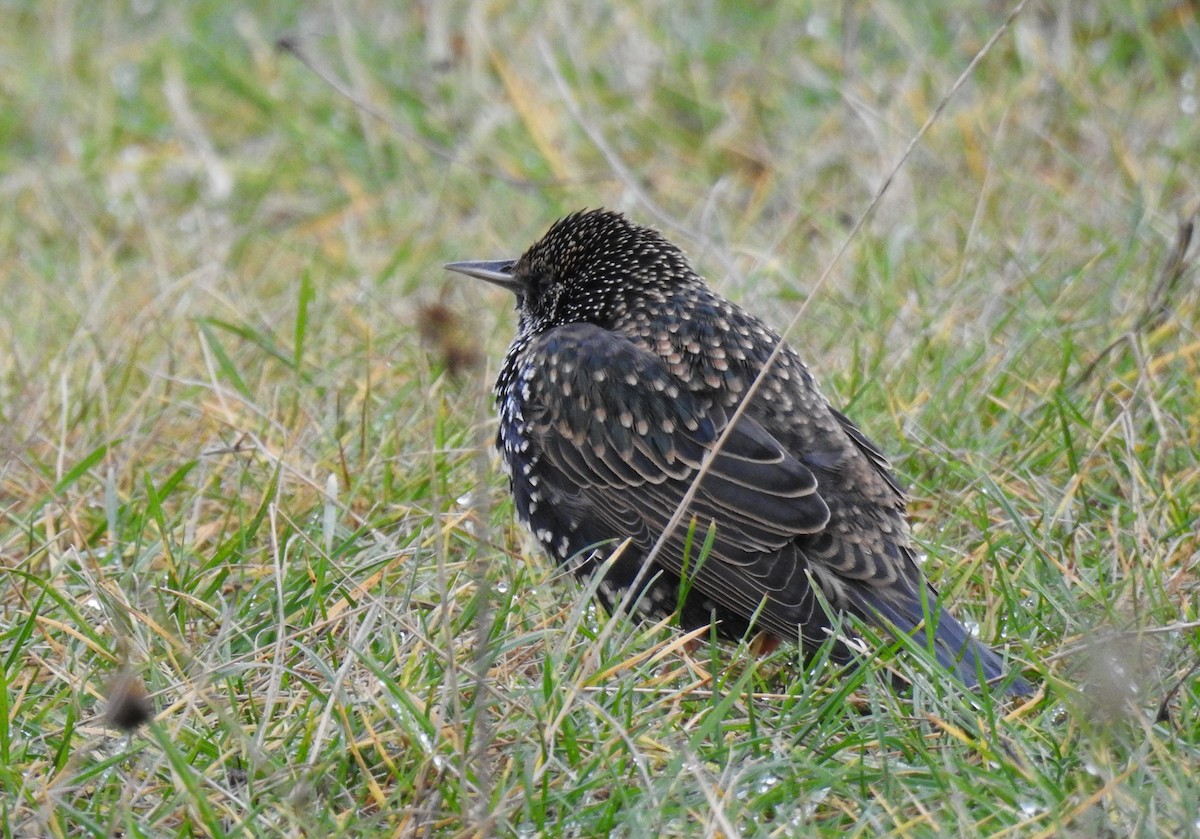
[(613, 418)]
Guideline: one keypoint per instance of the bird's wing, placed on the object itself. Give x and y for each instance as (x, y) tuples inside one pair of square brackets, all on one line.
[(876, 457), (621, 442)]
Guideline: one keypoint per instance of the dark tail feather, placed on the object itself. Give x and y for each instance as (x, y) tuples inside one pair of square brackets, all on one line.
[(961, 653), (955, 648)]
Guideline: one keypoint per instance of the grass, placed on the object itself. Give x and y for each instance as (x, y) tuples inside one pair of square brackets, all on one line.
[(245, 422)]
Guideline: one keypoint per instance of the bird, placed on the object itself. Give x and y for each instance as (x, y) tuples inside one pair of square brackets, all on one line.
[(624, 385)]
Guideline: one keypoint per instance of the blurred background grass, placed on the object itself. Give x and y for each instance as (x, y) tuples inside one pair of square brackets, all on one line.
[(241, 406)]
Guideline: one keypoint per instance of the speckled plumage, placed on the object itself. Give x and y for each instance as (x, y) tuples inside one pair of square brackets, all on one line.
[(625, 370)]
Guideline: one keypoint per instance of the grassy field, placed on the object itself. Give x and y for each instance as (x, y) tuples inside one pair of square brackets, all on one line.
[(245, 417)]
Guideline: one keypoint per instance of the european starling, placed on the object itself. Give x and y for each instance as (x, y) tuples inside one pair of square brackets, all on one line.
[(625, 371)]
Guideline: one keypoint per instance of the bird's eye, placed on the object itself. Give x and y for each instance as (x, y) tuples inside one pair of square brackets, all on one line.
[(543, 284)]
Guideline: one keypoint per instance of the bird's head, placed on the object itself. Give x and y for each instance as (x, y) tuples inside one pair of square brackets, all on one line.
[(589, 267)]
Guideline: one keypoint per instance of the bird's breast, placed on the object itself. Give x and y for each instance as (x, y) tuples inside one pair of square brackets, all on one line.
[(550, 522)]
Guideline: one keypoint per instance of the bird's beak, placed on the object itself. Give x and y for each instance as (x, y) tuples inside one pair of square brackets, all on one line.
[(497, 272)]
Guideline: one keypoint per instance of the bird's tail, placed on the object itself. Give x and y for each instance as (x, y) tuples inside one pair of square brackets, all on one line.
[(972, 660), (955, 648)]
